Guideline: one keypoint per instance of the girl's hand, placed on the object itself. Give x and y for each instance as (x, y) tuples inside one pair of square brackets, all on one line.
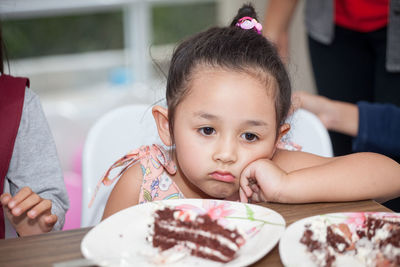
[(261, 181), (28, 212)]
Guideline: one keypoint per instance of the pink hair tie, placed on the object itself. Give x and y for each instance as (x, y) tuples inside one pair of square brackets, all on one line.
[(248, 23)]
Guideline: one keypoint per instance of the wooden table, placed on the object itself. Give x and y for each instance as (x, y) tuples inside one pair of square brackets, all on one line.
[(50, 248)]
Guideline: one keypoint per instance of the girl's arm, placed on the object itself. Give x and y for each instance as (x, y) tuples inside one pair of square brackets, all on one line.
[(126, 192), (352, 177), (297, 177)]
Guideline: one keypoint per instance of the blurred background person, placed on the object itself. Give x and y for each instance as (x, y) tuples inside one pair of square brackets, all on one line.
[(354, 48), (35, 199)]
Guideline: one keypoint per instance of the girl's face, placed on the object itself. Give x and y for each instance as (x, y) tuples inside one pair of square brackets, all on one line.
[(225, 122)]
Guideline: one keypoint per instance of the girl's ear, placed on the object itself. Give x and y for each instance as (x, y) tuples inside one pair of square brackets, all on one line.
[(160, 115), (284, 129)]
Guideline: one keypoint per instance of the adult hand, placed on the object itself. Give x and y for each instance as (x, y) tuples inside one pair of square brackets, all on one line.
[(319, 105), (28, 212), (337, 116)]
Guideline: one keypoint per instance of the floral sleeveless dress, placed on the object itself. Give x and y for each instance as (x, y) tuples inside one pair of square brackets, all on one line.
[(156, 166)]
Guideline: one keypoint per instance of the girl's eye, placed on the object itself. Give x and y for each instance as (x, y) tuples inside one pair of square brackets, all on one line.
[(250, 137), (207, 130)]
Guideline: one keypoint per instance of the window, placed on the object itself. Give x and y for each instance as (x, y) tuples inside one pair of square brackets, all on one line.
[(88, 46)]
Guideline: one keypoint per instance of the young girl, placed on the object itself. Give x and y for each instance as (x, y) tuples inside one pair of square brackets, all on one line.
[(228, 95)]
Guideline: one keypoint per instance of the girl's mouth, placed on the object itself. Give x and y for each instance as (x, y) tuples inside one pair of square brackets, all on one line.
[(223, 176)]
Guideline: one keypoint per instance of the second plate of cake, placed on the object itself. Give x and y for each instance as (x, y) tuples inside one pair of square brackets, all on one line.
[(218, 232), (343, 239)]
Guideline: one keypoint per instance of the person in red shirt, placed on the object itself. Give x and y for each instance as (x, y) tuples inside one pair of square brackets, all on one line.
[(354, 49)]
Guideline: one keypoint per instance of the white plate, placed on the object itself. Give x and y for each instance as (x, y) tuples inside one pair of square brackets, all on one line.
[(294, 253), (120, 240)]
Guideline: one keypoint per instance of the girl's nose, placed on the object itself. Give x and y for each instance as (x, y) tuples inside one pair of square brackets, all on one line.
[(225, 151)]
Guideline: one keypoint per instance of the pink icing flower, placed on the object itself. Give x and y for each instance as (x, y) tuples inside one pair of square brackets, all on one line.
[(216, 210), (188, 207), (356, 219)]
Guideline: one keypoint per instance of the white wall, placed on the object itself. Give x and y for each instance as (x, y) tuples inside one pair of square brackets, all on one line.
[(299, 65)]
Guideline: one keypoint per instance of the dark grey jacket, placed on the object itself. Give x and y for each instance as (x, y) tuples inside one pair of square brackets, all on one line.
[(320, 26)]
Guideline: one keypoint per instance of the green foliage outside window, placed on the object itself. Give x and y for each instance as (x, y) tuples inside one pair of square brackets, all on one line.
[(173, 23), (100, 31), (63, 35)]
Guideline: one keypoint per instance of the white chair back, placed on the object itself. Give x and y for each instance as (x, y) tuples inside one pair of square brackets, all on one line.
[(309, 132), (111, 137)]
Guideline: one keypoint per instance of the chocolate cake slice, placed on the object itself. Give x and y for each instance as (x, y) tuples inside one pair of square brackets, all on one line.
[(201, 235)]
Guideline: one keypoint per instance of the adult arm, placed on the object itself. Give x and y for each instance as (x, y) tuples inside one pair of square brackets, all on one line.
[(276, 24), (378, 128), (337, 116), (35, 163)]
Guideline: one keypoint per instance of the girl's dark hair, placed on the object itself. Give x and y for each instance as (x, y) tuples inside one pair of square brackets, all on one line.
[(1, 51), (230, 48)]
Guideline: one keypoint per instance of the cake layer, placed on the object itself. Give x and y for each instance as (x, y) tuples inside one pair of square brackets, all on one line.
[(195, 248), (183, 232)]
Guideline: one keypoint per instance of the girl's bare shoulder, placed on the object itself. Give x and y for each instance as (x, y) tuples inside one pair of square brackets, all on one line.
[(126, 192), (130, 181)]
